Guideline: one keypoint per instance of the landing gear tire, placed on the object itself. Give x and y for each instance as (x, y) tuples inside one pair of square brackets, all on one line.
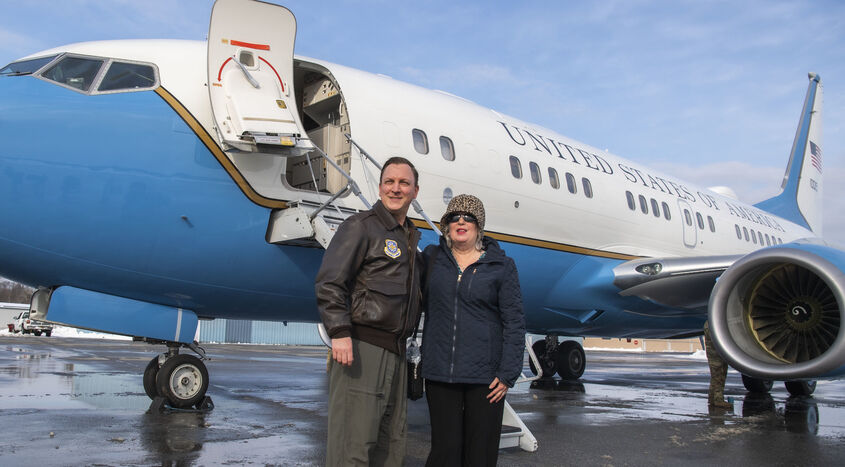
[(570, 360), (37, 333), (546, 364), (150, 378), (800, 388), (48, 333), (756, 385), (182, 380)]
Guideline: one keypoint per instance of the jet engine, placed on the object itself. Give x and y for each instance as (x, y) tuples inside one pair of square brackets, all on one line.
[(777, 313)]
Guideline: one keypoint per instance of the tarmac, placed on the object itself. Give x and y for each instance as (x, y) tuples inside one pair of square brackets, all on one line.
[(70, 401)]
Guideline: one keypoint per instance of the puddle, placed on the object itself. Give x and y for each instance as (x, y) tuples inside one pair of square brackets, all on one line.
[(44, 383)]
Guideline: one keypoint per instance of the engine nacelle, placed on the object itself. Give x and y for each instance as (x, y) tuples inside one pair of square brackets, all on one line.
[(777, 313)]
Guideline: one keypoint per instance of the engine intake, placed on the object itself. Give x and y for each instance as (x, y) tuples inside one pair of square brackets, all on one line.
[(777, 313)]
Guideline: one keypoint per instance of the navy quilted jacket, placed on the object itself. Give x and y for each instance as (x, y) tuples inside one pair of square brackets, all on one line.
[(474, 324)]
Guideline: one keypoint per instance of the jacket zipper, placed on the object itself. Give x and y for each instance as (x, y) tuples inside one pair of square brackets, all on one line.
[(405, 326), (455, 327)]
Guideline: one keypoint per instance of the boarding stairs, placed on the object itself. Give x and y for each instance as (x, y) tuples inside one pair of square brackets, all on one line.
[(309, 223)]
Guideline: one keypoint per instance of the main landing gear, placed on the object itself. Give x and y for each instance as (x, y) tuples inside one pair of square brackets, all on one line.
[(763, 386), (180, 380), (567, 358)]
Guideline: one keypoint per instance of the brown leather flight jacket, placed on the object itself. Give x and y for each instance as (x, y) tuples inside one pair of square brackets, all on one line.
[(368, 287)]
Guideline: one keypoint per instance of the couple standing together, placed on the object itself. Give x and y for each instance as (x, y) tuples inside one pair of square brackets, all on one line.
[(371, 289)]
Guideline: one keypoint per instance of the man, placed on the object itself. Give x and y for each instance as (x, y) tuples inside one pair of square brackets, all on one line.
[(718, 373), (368, 297)]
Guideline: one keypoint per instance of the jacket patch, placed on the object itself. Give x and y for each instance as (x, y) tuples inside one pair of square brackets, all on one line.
[(391, 248)]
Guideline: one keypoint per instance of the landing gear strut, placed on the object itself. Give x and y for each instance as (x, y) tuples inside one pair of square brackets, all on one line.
[(567, 359), (763, 386), (180, 379)]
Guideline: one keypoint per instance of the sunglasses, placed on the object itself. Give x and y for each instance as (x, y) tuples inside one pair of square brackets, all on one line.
[(462, 215)]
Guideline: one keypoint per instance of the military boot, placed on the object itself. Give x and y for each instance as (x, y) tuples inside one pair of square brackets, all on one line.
[(717, 400)]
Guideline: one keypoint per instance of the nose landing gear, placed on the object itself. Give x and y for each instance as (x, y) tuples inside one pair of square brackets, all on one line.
[(178, 380)]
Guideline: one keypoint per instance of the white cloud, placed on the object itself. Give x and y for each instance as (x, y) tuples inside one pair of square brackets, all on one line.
[(14, 45), (754, 184)]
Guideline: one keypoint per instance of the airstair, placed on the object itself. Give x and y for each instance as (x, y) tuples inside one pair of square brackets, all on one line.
[(310, 223)]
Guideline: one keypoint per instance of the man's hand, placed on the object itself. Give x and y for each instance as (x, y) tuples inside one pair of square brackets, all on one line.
[(342, 350), (498, 391)]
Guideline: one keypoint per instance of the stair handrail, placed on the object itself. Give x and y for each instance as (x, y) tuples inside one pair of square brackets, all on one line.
[(350, 185), (414, 203)]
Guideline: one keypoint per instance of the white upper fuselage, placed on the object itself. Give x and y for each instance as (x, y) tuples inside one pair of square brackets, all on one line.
[(383, 113)]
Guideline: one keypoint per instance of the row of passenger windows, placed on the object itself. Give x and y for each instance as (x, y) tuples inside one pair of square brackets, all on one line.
[(644, 205), (554, 179), (447, 148), (756, 237), (658, 208)]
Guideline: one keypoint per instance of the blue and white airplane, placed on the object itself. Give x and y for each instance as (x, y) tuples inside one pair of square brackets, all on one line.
[(149, 184)]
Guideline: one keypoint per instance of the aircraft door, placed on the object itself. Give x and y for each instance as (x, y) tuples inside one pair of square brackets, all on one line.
[(690, 233), (250, 77)]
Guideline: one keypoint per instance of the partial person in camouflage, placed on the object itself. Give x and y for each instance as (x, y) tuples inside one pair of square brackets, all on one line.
[(718, 373)]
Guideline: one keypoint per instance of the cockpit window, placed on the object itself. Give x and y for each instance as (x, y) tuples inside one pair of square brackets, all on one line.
[(25, 67), (75, 72), (95, 75), (122, 75)]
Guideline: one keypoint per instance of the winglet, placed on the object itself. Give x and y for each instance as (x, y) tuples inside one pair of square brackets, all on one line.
[(801, 192)]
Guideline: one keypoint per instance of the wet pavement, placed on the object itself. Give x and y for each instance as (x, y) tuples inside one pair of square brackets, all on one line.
[(66, 401)]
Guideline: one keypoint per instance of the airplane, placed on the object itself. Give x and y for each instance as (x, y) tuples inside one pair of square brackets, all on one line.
[(150, 184)]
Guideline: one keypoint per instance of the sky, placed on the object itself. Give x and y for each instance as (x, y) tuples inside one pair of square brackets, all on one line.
[(709, 91)]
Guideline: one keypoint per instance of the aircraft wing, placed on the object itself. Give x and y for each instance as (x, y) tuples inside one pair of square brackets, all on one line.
[(683, 283)]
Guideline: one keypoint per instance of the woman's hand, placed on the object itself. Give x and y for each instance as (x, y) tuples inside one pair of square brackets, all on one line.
[(498, 391)]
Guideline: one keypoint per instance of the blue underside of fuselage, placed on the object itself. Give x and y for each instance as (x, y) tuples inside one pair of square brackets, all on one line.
[(115, 193)]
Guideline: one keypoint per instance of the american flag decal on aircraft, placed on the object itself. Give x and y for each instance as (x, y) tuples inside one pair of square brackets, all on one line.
[(816, 156)]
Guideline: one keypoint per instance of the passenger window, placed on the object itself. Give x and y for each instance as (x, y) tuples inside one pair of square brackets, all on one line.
[(420, 141), (570, 183), (516, 167), (687, 216), (666, 213), (711, 223), (554, 179), (700, 220), (76, 72), (768, 242), (25, 67), (738, 232), (655, 208), (535, 172), (745, 233), (643, 204), (121, 75), (588, 187), (753, 236), (632, 205), (447, 149)]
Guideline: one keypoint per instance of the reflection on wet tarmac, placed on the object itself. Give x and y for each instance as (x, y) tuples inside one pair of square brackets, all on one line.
[(270, 409), (45, 382), (176, 437), (558, 385), (798, 414)]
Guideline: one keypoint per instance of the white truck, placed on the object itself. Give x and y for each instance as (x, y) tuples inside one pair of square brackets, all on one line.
[(25, 325)]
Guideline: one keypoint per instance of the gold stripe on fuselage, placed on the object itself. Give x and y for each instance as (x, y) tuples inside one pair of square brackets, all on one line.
[(218, 153)]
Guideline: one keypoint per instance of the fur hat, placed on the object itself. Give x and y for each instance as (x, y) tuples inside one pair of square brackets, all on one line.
[(464, 203)]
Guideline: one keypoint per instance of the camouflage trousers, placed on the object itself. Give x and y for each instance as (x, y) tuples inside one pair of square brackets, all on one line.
[(718, 369)]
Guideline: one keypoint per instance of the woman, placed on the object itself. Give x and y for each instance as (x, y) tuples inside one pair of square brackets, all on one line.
[(474, 337)]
